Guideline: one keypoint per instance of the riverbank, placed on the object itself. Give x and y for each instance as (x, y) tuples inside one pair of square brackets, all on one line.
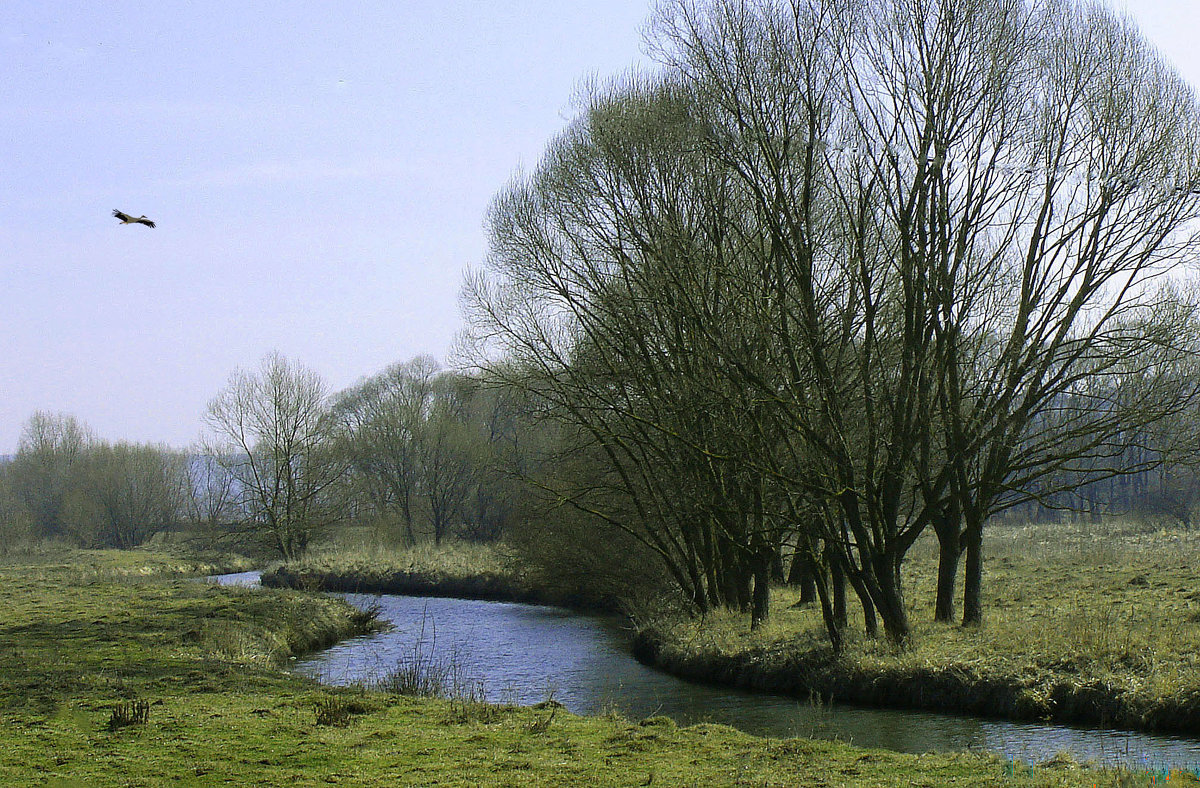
[(1084, 624), (119, 675), (84, 566), (457, 570)]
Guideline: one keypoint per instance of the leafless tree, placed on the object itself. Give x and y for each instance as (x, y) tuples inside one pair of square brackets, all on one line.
[(619, 285), (270, 429), (448, 456), (41, 473), (210, 492), (124, 493), (380, 422)]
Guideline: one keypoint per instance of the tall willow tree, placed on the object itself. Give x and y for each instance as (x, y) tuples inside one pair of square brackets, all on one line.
[(969, 206), (614, 263)]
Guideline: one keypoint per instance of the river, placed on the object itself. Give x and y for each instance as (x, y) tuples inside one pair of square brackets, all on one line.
[(525, 654)]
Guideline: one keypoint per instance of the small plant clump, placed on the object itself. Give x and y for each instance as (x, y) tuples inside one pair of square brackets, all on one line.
[(130, 712), (335, 711), (420, 675), (542, 724)]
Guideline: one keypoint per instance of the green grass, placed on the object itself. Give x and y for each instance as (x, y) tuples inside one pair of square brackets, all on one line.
[(456, 569), (1081, 622), (271, 739), (452, 561), (205, 663), (82, 566)]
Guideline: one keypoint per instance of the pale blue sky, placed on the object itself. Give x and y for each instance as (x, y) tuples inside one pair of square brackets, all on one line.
[(319, 173)]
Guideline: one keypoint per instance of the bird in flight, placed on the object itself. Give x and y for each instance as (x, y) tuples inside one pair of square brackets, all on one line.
[(127, 219)]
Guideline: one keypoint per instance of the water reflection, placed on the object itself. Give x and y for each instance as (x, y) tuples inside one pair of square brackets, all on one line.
[(245, 579)]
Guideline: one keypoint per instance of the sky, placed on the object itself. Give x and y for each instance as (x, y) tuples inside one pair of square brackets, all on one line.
[(319, 173)]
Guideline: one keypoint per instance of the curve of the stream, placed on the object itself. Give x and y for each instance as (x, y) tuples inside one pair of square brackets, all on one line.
[(525, 654)]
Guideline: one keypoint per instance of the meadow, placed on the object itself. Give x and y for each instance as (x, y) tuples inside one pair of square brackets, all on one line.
[(114, 670)]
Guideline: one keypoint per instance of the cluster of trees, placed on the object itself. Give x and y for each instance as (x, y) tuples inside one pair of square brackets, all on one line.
[(63, 483), (417, 453), (843, 272), (432, 447)]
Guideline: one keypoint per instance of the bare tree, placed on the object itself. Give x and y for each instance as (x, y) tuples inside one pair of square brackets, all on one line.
[(124, 493), (448, 454), (270, 429), (16, 523), (380, 423), (210, 492), (620, 287), (41, 473)]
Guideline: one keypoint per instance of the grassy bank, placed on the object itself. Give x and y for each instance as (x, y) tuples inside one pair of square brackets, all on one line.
[(1094, 624), (458, 569), (1097, 624), (110, 677), (94, 628), (82, 566)]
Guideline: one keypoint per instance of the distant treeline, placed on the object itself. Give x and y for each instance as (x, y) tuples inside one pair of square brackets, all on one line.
[(414, 452)]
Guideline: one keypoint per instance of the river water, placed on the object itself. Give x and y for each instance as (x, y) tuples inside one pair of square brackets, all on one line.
[(525, 654)]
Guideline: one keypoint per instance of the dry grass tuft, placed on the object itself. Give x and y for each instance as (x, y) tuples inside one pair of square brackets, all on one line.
[(452, 560)]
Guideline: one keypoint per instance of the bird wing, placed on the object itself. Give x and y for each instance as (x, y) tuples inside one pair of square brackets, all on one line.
[(146, 222), (122, 216)]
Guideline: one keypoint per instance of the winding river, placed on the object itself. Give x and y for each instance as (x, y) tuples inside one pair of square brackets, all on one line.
[(525, 654)]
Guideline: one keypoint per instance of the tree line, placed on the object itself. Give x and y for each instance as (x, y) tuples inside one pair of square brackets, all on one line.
[(414, 453)]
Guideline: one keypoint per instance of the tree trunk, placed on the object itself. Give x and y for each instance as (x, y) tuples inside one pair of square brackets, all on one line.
[(870, 622), (760, 604), (893, 613), (777, 566), (836, 640), (888, 595), (838, 580), (946, 526), (409, 533), (802, 573), (743, 575), (973, 580)]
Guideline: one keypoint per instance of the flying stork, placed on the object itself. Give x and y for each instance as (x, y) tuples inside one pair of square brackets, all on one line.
[(127, 219)]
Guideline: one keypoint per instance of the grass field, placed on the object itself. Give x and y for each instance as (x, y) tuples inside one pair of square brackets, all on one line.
[(1082, 623), (357, 556), (114, 673)]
